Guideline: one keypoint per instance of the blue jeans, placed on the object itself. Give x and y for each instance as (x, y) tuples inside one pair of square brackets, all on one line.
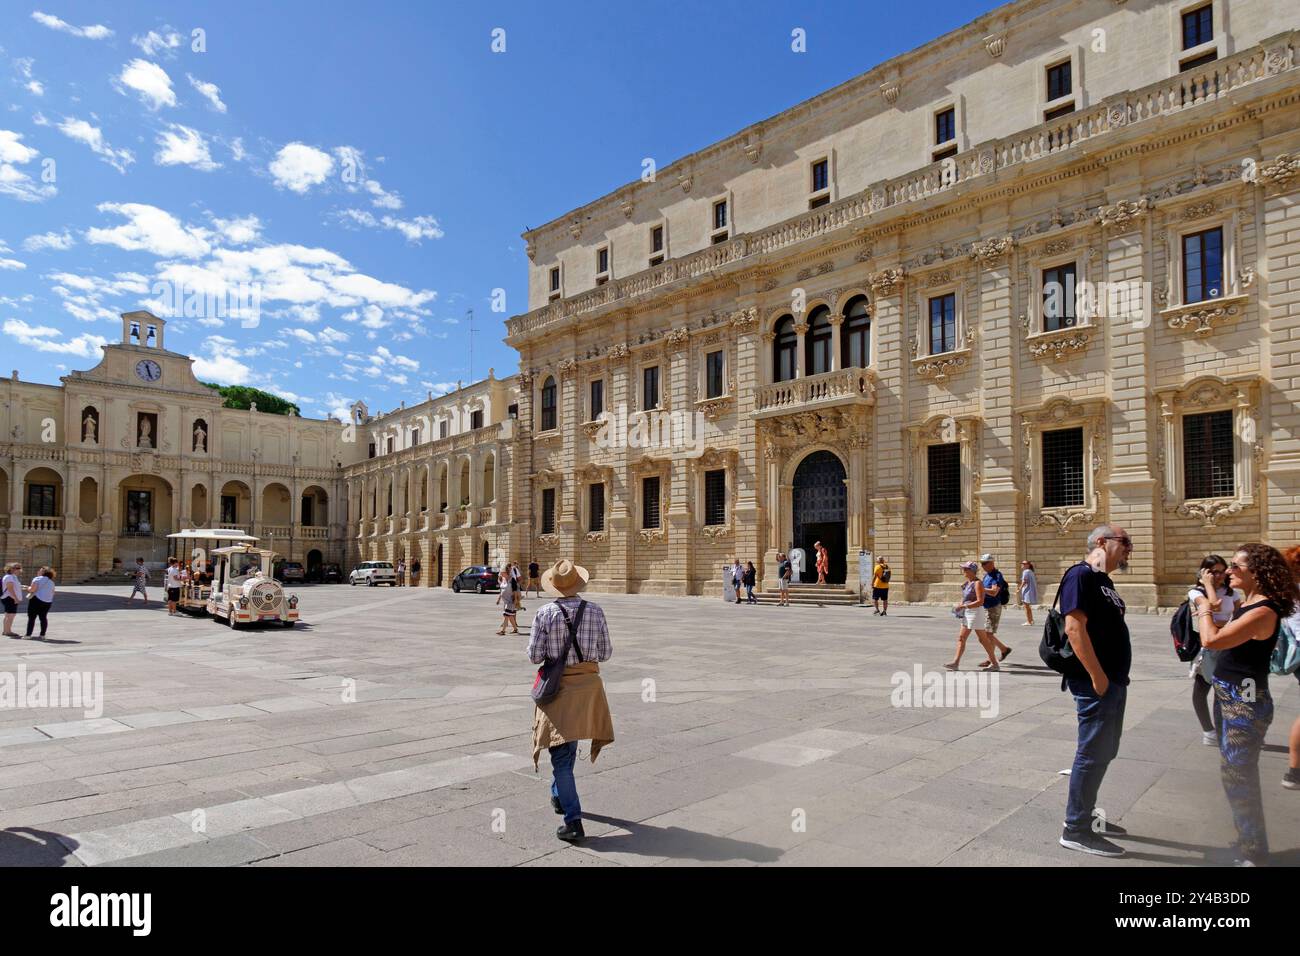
[(1242, 723), (1101, 722), (562, 786)]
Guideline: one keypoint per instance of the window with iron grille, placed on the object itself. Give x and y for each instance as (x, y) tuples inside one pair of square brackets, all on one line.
[(943, 323), (1203, 265), (1058, 297), (597, 399), (476, 419), (1207, 456), (548, 405), (548, 511), (945, 126), (650, 502), (715, 497), (1063, 468), (944, 478), (1059, 81), (596, 507), (41, 501), (650, 388), (713, 374), (1198, 26)]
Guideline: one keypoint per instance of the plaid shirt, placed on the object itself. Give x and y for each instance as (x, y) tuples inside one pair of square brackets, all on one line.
[(550, 632)]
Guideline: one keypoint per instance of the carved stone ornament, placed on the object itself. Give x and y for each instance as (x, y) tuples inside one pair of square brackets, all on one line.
[(1063, 519), (990, 251), (939, 367), (619, 351), (1209, 512), (940, 277), (530, 248), (677, 339), (770, 283), (1279, 171), (864, 255), (628, 207), (567, 368), (712, 408), (593, 429), (754, 151), (744, 320), (996, 44), (597, 537), (1123, 212), (649, 535), (685, 183), (1201, 319), (1059, 343), (548, 542), (575, 228), (886, 281), (1199, 210), (943, 524), (715, 530), (1056, 247), (1246, 277)]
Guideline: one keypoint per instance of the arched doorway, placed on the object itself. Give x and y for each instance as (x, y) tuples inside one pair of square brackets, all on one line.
[(820, 510), (438, 565), (314, 561)]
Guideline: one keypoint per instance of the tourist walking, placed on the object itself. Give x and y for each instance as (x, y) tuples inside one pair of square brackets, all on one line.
[(1243, 705), (1222, 601), (823, 562), (140, 577), (40, 597), (737, 578), (1291, 780), (534, 581), (749, 578), (783, 574), (507, 597), (997, 593), (1094, 622), (580, 711), (173, 584), (880, 575), (401, 572), (415, 573), (515, 584), (970, 611), (12, 594), (1028, 591)]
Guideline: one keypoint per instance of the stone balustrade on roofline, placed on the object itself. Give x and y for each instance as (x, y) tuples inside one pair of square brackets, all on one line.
[(898, 196)]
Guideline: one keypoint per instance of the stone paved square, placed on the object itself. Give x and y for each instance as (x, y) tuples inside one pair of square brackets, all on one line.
[(392, 728)]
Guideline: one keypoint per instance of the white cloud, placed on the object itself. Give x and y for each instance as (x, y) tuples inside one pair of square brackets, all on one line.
[(150, 229), (49, 240), (298, 167), (24, 66), (330, 334), (12, 264), (12, 151), (92, 136), (182, 146), (237, 149), (221, 368), (83, 296), (382, 198), (44, 338), (13, 181), (301, 335), (241, 230), (153, 43), (421, 227), (150, 82), (95, 32), (210, 91)]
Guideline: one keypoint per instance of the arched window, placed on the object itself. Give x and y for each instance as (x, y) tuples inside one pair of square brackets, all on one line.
[(784, 349), (817, 342), (855, 334), (548, 404)]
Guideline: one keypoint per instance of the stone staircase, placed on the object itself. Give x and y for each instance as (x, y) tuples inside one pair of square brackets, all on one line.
[(809, 595)]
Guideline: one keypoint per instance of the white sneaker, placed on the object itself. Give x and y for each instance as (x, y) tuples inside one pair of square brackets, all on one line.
[(1209, 738), (1026, 624)]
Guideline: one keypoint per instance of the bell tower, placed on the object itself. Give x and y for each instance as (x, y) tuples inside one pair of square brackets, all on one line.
[(143, 330)]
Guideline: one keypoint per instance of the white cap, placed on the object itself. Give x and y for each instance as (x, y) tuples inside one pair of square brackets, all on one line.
[(985, 557)]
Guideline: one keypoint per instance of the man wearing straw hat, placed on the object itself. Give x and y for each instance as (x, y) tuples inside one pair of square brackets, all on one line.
[(580, 710)]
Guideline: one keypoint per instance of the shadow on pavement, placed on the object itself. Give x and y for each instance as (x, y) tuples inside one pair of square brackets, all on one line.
[(25, 846), (675, 842)]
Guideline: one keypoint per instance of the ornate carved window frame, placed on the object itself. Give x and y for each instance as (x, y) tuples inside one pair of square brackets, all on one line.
[(1051, 415), (1203, 316), (1209, 393), (1089, 308), (597, 373), (648, 467), (940, 365), (584, 478), (961, 430), (543, 480), (715, 459)]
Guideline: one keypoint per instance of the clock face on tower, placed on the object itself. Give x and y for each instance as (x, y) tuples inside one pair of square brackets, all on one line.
[(147, 370)]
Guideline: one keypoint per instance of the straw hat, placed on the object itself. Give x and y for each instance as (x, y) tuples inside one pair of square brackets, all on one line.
[(564, 578)]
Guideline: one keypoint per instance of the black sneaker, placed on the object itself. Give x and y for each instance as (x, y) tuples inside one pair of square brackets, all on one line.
[(555, 805), (571, 832), (1090, 842), (1108, 828), (1292, 779)]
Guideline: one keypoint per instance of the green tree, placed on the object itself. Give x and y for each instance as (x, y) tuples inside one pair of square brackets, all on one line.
[(242, 396)]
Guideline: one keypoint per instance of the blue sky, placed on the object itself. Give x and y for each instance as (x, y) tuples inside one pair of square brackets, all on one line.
[(368, 168)]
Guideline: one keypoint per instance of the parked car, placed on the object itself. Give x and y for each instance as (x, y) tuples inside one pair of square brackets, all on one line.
[(477, 577), (332, 574), (373, 573), (291, 572)]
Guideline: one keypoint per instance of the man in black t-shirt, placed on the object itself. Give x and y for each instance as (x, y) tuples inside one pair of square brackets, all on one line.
[(1094, 622)]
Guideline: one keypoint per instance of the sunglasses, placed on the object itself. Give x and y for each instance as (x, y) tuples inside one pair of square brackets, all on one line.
[(1126, 541), (1238, 567)]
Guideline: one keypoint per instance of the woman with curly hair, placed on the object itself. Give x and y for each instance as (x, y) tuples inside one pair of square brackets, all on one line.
[(1292, 778), (1243, 706)]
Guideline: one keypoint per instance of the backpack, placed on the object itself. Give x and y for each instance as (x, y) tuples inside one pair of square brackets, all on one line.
[(1187, 643), (884, 575), (1286, 655), (1004, 592), (1054, 649), (546, 686)]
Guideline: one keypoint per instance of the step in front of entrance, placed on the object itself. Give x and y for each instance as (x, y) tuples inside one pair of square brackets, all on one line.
[(812, 595)]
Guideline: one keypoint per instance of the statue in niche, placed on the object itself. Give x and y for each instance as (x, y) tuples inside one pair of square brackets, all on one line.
[(89, 429), (200, 437), (145, 437)]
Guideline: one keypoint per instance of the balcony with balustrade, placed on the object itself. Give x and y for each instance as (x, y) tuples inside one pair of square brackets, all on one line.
[(844, 386)]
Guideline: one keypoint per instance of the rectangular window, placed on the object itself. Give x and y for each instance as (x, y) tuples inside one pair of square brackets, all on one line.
[(415, 436), (720, 237), (1059, 81), (555, 279), (650, 388), (228, 505), (1198, 61), (1198, 26), (371, 449), (720, 214), (944, 478), (596, 507), (657, 239), (656, 261), (40, 500), (715, 497), (713, 374), (1058, 297), (1207, 456), (821, 200), (1057, 113), (389, 446), (1203, 265), (548, 511), (650, 502), (476, 419), (597, 399), (820, 175), (139, 512), (1063, 468), (602, 261), (943, 323), (443, 427), (512, 410), (945, 126)]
